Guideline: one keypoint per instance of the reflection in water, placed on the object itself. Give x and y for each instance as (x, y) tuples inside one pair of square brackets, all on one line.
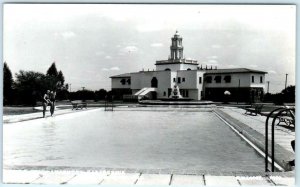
[(126, 139)]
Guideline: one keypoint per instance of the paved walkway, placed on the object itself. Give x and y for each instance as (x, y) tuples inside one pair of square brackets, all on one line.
[(283, 136), (37, 115), (115, 177)]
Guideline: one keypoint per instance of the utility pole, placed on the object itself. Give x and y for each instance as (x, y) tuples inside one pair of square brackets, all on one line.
[(268, 86), (286, 75)]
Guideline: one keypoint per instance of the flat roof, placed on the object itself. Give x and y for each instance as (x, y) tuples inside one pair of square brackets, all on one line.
[(124, 75), (234, 70)]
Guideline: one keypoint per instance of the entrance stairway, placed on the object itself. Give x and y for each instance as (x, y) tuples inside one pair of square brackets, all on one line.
[(144, 92)]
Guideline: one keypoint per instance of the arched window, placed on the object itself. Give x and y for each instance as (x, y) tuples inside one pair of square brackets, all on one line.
[(154, 82), (189, 69), (167, 69)]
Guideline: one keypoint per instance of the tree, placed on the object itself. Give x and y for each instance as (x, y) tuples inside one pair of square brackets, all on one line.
[(7, 85), (100, 95), (61, 77), (30, 87), (52, 71), (289, 94)]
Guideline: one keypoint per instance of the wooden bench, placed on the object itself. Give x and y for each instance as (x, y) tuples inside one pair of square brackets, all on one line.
[(254, 109), (78, 104)]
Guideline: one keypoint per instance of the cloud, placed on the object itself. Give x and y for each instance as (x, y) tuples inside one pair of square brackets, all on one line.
[(212, 57), (216, 46), (252, 65), (212, 62), (232, 66), (149, 27), (68, 34), (128, 49), (107, 57), (157, 45), (272, 72), (115, 68), (99, 53)]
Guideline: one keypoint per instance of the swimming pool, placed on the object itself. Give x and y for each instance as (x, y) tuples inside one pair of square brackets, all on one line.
[(149, 139)]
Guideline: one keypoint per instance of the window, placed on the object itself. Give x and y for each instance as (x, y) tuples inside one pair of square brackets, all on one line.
[(164, 93), (183, 79), (174, 79), (208, 79), (261, 79), (123, 81), (200, 80), (167, 69), (189, 69), (218, 79), (252, 79), (187, 93), (227, 79), (179, 80), (129, 81)]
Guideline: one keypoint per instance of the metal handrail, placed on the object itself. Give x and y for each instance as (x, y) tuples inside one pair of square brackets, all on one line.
[(280, 111)]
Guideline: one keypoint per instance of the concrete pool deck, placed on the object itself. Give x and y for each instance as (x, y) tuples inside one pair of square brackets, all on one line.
[(253, 126), (107, 177)]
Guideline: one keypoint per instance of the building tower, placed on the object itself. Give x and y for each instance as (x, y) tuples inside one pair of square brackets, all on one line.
[(176, 61), (176, 47)]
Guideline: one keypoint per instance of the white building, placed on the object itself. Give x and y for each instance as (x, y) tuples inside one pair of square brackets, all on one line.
[(194, 82)]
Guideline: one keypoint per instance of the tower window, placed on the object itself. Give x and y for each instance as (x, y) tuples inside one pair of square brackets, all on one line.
[(189, 69), (164, 93), (167, 69), (183, 79), (179, 80), (200, 80), (129, 81), (174, 79), (261, 79), (252, 79)]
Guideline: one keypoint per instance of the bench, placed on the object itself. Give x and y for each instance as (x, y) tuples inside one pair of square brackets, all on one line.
[(78, 104), (287, 120), (254, 109)]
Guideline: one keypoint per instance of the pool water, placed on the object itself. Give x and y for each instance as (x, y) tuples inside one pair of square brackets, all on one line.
[(130, 139)]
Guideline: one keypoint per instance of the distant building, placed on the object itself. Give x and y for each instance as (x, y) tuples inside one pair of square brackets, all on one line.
[(194, 82)]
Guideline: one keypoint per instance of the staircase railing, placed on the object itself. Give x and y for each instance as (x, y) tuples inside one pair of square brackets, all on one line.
[(276, 113)]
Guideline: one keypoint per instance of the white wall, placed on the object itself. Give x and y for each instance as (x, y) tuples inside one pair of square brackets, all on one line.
[(235, 77), (116, 83), (141, 80), (257, 80)]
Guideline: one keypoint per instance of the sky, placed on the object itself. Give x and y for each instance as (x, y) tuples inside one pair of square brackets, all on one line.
[(91, 42)]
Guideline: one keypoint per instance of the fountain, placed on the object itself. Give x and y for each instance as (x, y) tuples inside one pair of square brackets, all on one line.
[(175, 94)]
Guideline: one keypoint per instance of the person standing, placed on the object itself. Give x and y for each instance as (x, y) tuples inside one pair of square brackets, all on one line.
[(52, 99), (46, 102)]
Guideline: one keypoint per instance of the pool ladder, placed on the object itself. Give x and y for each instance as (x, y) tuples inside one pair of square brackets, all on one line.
[(275, 114), (109, 104)]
